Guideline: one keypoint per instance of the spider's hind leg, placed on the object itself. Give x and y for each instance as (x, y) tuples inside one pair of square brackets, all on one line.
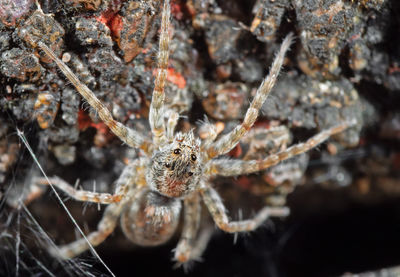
[(191, 245), (219, 214), (123, 183), (105, 227), (128, 186), (191, 223), (194, 251)]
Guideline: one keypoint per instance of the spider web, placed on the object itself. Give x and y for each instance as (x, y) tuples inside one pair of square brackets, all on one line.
[(24, 243)]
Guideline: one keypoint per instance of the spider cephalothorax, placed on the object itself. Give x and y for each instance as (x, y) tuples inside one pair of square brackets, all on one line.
[(175, 168)]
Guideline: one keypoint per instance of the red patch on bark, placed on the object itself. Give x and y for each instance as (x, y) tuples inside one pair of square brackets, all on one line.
[(176, 78), (111, 19), (177, 10), (84, 122)]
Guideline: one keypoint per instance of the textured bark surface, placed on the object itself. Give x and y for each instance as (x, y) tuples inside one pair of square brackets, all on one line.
[(344, 196)]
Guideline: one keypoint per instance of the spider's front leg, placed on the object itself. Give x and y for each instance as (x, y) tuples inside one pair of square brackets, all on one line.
[(228, 141), (127, 135), (125, 181), (172, 122), (219, 214), (156, 113), (225, 167)]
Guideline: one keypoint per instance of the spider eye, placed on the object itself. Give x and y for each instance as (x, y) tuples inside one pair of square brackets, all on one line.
[(167, 165), (190, 173), (177, 151), (193, 157)]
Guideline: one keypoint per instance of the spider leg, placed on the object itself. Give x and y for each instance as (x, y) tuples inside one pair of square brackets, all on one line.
[(105, 227), (127, 135), (228, 141), (276, 139), (208, 134), (225, 167), (201, 243), (219, 214), (123, 183), (156, 113), (191, 223), (196, 249), (172, 122)]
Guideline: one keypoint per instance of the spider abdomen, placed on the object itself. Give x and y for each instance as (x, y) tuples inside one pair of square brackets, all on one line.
[(152, 220)]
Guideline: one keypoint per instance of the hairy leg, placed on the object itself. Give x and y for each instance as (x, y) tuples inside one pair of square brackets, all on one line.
[(201, 243), (105, 227), (197, 248), (172, 122), (124, 182), (127, 135), (263, 141), (219, 214), (226, 167), (208, 133), (228, 141), (156, 116), (191, 223)]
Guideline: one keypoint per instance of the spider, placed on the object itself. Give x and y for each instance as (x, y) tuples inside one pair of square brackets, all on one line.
[(175, 168)]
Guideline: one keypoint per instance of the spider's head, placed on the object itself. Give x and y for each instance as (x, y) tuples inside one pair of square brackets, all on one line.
[(176, 168)]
